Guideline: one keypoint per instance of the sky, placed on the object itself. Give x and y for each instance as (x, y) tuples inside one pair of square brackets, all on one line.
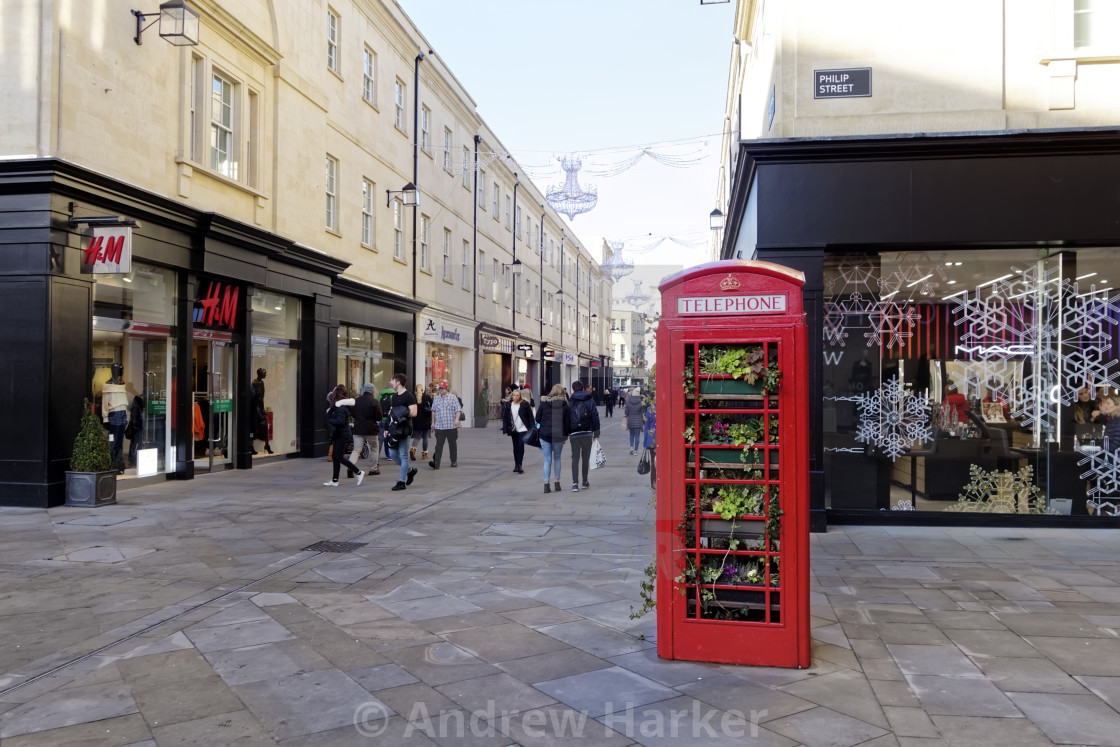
[(602, 79)]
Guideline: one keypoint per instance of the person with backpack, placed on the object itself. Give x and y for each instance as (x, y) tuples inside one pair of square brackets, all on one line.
[(402, 409), (339, 434), (632, 419), (367, 425), (554, 422), (422, 423), (584, 430)]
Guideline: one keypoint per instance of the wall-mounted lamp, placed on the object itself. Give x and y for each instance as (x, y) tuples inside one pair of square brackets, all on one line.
[(410, 195), (516, 264), (715, 219), (178, 23)]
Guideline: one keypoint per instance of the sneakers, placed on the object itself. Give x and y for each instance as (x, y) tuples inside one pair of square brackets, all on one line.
[(586, 485), (575, 487), (547, 488), (399, 486), (411, 476), (556, 486), (454, 465), (361, 476), (331, 483), (632, 452), (433, 465)]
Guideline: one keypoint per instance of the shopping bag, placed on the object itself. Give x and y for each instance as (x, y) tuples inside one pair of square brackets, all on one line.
[(643, 463), (598, 457)]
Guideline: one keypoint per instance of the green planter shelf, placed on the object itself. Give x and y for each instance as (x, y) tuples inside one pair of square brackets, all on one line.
[(710, 386), (728, 456)]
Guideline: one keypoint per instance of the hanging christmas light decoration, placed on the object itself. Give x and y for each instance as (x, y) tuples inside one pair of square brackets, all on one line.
[(570, 198), (617, 266)]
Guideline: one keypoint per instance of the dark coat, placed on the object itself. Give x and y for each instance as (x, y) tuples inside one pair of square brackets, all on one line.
[(554, 419), (525, 412), (423, 420), (367, 415), (338, 421)]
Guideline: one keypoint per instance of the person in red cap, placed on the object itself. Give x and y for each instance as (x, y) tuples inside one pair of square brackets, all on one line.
[(446, 414)]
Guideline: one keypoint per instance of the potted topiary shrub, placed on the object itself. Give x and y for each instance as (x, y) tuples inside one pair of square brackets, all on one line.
[(91, 481)]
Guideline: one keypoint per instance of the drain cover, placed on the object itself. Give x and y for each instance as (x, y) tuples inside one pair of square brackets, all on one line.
[(327, 546)]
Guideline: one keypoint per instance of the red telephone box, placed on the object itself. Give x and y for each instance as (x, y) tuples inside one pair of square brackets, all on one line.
[(733, 459)]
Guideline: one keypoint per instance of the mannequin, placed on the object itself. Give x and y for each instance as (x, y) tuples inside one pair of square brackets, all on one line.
[(114, 412), (259, 417)]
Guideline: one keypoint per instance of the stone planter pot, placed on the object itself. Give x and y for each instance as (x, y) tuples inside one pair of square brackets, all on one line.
[(91, 489)]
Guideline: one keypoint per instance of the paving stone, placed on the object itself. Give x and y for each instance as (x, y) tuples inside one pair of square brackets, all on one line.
[(382, 677), (671, 673), (943, 660), (67, 708), (307, 703), (541, 616), (238, 635), (1070, 719), (960, 696), (122, 730), (426, 608), (595, 639), (1034, 624), (731, 692), (821, 726), (910, 722), (669, 723), (1029, 676), (554, 665), (185, 700), (497, 693), (605, 690), (1081, 656), (240, 666), (848, 693), (505, 642), (441, 663), (985, 732)]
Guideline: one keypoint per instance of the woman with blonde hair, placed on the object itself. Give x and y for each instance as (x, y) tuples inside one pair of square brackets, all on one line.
[(554, 421)]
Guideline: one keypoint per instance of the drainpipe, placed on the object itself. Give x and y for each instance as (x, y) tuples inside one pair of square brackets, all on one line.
[(474, 228), (540, 306), (513, 272), (415, 157), (563, 267)]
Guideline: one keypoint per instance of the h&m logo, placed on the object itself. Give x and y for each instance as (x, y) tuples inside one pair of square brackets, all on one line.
[(217, 307)]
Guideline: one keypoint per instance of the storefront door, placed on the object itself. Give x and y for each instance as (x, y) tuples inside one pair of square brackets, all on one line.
[(214, 427)]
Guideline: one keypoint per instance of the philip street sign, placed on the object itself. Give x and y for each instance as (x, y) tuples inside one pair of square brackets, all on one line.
[(842, 84)]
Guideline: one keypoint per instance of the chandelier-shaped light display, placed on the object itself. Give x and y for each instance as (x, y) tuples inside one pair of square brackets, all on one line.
[(617, 266), (570, 198)]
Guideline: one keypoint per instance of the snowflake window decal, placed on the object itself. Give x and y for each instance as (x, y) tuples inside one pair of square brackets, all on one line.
[(893, 419)]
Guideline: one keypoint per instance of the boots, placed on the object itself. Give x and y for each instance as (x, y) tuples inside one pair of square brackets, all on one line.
[(425, 455), (412, 454)]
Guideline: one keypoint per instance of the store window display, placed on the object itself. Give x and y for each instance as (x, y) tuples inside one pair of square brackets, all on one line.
[(276, 345)]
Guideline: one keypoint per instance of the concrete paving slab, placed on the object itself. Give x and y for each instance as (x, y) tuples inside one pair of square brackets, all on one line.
[(307, 703)]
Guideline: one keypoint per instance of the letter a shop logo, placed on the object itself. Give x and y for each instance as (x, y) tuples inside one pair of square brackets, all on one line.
[(217, 306), (108, 249)]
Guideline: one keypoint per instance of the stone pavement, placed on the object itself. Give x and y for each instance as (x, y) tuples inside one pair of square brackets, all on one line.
[(480, 611)]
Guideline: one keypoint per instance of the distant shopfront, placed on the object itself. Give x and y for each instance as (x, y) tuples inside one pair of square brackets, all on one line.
[(445, 345)]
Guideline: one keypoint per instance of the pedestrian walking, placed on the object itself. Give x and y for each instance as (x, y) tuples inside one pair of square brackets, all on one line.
[(608, 401), (518, 421), (402, 408), (554, 424), (584, 430), (632, 413), (385, 399), (339, 434), (649, 441), (447, 410), (367, 424), (421, 424)]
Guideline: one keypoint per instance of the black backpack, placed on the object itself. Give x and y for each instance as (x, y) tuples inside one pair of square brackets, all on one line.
[(581, 415)]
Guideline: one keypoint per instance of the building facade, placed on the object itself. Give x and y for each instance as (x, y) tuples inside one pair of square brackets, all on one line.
[(949, 190), (228, 223)]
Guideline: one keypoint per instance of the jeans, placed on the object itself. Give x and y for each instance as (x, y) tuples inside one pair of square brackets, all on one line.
[(117, 422), (360, 441), (581, 454), (418, 437), (400, 456), (518, 449), (636, 439), (552, 451), (338, 450), (451, 436)]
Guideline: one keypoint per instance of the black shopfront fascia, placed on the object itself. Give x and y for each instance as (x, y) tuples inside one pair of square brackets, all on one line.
[(794, 200), (46, 369)]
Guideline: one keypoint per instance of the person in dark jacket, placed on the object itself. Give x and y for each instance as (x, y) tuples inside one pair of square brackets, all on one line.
[(340, 434), (135, 428), (632, 416), (422, 423), (583, 432), (553, 421), (608, 401), (367, 423), (518, 420)]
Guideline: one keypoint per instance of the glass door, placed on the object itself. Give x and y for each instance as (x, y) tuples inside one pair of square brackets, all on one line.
[(214, 410)]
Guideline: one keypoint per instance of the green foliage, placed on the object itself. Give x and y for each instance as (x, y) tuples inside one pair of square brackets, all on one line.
[(647, 592), (91, 446), (738, 500)]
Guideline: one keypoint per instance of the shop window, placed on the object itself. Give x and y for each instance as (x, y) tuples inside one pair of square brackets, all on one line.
[(367, 356)]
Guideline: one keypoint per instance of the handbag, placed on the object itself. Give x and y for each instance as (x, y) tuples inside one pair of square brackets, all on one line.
[(532, 437), (364, 454), (643, 463), (598, 456)]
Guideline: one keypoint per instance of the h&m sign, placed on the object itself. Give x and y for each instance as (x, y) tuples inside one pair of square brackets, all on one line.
[(216, 305), (107, 250)]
